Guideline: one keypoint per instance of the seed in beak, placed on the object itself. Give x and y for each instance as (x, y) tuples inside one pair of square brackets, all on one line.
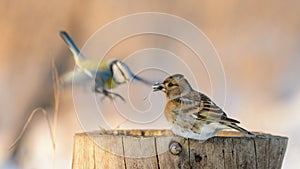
[(157, 86)]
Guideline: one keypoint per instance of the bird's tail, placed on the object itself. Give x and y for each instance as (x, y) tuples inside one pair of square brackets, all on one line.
[(236, 127), (76, 53)]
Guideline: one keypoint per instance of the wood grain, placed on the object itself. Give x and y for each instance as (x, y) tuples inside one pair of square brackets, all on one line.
[(150, 149)]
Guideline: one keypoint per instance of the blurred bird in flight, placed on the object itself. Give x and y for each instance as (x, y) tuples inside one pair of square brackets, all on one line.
[(192, 114), (107, 74)]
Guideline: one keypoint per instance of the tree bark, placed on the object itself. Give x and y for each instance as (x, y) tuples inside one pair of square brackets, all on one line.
[(161, 149)]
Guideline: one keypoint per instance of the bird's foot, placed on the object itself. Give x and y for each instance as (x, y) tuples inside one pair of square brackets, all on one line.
[(109, 94)]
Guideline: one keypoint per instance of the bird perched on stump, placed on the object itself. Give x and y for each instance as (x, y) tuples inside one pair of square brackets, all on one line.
[(107, 74), (192, 114)]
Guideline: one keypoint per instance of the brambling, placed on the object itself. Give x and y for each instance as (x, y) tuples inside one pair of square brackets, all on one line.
[(107, 74), (192, 114)]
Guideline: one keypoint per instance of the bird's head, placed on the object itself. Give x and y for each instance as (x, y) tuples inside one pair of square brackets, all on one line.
[(121, 72), (173, 86)]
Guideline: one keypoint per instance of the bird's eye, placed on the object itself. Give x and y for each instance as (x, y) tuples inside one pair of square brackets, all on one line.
[(170, 84)]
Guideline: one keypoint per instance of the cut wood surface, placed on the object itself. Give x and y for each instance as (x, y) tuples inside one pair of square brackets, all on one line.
[(128, 149)]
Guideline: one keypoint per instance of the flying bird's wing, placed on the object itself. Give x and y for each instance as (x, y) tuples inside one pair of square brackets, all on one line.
[(102, 79), (75, 78)]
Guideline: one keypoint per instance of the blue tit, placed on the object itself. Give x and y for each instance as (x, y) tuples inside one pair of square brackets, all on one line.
[(107, 74)]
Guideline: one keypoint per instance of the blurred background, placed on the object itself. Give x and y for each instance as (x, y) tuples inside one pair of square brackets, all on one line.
[(258, 44)]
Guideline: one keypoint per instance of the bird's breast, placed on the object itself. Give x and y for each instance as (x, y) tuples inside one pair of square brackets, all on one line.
[(169, 111), (110, 84)]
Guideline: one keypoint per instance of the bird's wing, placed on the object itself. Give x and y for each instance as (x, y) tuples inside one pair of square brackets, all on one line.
[(75, 78), (207, 109), (92, 67), (102, 77)]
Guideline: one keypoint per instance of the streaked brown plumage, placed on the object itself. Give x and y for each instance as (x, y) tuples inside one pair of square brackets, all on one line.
[(192, 114)]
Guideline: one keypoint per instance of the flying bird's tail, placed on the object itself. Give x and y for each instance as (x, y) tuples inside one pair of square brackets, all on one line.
[(76, 53)]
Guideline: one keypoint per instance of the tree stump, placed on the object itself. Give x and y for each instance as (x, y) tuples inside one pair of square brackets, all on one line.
[(123, 149)]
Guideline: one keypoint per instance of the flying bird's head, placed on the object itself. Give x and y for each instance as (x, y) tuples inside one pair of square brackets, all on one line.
[(173, 86), (121, 72)]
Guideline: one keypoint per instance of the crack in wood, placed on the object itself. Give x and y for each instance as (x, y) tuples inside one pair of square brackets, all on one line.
[(156, 152), (255, 153), (124, 157)]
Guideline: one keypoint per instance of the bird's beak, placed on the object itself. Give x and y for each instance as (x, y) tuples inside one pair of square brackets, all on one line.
[(158, 86)]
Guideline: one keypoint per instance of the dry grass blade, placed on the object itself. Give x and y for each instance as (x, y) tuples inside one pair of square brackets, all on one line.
[(56, 97), (45, 113)]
